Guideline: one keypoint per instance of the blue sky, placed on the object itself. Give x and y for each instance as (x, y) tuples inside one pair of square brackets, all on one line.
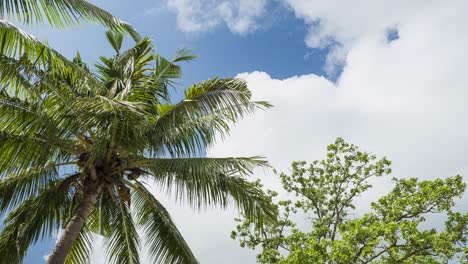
[(277, 47), (400, 88)]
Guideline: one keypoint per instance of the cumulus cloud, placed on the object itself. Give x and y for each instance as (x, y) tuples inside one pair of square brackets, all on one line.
[(403, 99), (332, 25), (339, 25), (240, 16)]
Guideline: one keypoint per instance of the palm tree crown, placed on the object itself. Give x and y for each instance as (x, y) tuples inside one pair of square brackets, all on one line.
[(77, 146)]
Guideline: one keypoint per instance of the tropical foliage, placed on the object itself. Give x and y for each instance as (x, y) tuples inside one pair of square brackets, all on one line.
[(394, 231), (60, 13), (78, 146)]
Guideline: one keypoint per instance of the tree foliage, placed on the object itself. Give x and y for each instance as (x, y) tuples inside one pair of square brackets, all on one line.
[(395, 229), (61, 13), (69, 134)]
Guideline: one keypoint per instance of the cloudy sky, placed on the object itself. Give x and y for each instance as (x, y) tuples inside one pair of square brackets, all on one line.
[(388, 76)]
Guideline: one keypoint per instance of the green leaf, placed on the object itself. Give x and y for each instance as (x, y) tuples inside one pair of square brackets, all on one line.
[(123, 243), (204, 182), (37, 217), (165, 243), (81, 249), (62, 13)]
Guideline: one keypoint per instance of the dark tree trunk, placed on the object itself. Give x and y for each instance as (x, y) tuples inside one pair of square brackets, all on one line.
[(73, 228)]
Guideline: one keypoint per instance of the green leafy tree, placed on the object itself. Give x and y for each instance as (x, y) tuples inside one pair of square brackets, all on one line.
[(392, 232), (77, 146)]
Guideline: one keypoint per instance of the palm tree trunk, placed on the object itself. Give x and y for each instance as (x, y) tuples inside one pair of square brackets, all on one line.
[(73, 228)]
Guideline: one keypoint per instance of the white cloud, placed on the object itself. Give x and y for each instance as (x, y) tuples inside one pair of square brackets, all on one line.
[(240, 16), (339, 25), (405, 99)]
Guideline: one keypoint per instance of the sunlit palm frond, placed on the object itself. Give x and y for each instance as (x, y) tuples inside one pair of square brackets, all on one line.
[(123, 242), (61, 13), (229, 97), (15, 42), (14, 188), (165, 168), (37, 217), (30, 138), (126, 71), (16, 79), (212, 182), (164, 241), (20, 153), (191, 125), (184, 135), (24, 80), (81, 251)]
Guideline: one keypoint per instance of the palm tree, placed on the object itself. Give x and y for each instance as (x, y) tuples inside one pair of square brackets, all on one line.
[(77, 149), (60, 13)]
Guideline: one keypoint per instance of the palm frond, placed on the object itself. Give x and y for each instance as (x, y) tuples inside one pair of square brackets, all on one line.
[(10, 252), (165, 167), (15, 42), (36, 218), (31, 81), (82, 248), (210, 182), (185, 136), (15, 188), (115, 122), (184, 55), (123, 243), (115, 39), (20, 153), (154, 88), (126, 72), (230, 96), (15, 81), (181, 128), (30, 138), (62, 13), (165, 243), (100, 220)]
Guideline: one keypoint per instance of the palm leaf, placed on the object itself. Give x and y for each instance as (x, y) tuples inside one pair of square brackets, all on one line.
[(165, 167), (20, 153), (14, 188), (61, 13), (204, 182), (15, 42), (100, 221), (82, 248), (166, 244), (181, 128), (123, 243), (37, 217)]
